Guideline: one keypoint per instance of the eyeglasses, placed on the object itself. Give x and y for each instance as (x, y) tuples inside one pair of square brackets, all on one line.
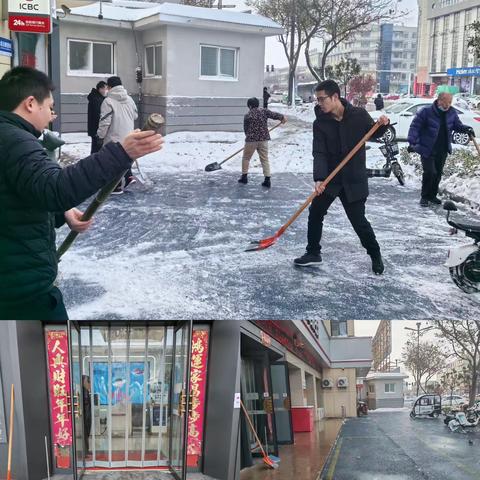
[(322, 99)]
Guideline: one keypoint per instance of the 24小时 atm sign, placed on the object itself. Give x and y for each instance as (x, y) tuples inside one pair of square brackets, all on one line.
[(32, 16)]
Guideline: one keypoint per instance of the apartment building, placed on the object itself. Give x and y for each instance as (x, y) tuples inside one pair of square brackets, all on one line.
[(443, 54), (385, 51)]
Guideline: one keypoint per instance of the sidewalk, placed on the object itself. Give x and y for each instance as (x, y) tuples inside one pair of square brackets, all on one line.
[(131, 475), (304, 459)]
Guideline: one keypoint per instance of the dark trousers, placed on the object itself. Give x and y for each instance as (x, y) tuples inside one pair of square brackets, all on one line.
[(432, 174), (48, 306), (265, 103), (356, 214), (97, 144)]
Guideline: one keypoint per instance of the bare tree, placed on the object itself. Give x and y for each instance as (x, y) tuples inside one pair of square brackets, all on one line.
[(338, 20), (454, 379), (298, 25), (423, 360), (463, 336), (474, 39)]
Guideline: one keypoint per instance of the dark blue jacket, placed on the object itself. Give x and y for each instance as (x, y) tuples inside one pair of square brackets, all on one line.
[(425, 126)]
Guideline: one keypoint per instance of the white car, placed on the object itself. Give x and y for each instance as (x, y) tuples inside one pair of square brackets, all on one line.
[(402, 112), (453, 400)]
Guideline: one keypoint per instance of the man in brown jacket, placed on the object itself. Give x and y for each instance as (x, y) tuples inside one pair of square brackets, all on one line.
[(255, 126)]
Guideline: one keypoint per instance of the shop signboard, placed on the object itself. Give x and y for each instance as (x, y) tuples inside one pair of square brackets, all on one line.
[(464, 72), (60, 396), (32, 16), (198, 384), (6, 47), (3, 425)]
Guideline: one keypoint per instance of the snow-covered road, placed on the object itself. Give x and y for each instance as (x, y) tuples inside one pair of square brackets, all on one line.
[(176, 251)]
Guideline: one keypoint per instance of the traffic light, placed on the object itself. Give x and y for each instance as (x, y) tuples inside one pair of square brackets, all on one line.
[(268, 68), (273, 68), (139, 74)]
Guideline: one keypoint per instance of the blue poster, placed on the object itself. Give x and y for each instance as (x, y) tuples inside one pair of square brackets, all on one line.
[(119, 382), (6, 47)]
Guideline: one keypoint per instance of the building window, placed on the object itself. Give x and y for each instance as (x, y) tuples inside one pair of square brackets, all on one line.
[(371, 388), (339, 328), (218, 62), (153, 61), (389, 388), (90, 58)]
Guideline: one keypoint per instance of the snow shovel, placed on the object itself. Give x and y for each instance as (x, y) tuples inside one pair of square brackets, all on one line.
[(10, 434), (269, 241), (266, 459), (212, 167), (154, 122)]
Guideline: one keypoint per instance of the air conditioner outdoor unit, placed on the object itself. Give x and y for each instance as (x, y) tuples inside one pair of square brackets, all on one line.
[(342, 382), (327, 383)]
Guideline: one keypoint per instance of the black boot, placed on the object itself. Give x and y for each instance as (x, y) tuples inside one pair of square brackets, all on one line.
[(266, 182), (377, 264), (243, 179)]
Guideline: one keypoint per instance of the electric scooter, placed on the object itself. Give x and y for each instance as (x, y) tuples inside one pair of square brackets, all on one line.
[(464, 261), (390, 152)]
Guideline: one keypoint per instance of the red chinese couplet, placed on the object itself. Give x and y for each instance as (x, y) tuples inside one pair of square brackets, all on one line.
[(198, 382), (59, 381)]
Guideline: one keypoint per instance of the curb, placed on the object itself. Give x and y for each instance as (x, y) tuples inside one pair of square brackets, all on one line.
[(324, 470)]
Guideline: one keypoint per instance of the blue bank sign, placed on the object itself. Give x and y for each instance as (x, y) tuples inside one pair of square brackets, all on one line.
[(6, 47), (464, 72)]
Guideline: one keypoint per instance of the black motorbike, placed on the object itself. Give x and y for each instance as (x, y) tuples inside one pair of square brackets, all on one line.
[(390, 151), (464, 261)]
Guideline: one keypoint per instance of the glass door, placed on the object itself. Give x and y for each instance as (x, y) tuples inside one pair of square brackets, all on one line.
[(77, 411), (282, 402), (258, 400), (179, 399)]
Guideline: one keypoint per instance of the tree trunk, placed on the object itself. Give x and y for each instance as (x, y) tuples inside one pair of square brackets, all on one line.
[(309, 63), (292, 63), (473, 387)]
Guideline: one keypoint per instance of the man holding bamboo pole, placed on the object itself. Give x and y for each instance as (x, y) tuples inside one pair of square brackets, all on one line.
[(38, 195), (337, 129)]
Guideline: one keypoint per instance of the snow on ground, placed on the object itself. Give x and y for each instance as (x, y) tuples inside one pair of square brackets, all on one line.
[(175, 250), (390, 410)]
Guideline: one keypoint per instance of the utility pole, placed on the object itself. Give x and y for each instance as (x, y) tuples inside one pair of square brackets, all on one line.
[(419, 331)]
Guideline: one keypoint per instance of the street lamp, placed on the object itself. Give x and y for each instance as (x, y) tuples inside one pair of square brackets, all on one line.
[(419, 331)]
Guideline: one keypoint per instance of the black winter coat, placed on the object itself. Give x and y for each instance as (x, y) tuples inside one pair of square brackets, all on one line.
[(333, 140), (34, 194), (95, 99)]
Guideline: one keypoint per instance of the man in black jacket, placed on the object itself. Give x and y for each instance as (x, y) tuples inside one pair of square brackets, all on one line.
[(338, 128), (37, 195), (95, 99)]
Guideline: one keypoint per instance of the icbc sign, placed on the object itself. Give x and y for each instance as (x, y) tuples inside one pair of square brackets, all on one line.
[(29, 16)]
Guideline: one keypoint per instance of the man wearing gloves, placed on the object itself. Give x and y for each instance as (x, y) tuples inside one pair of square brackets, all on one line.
[(430, 136)]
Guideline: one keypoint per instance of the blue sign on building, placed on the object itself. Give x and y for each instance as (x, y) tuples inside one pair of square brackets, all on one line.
[(6, 47), (464, 72)]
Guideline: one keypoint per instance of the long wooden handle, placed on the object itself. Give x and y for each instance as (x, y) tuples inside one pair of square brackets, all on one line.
[(252, 428), (309, 200), (10, 434), (238, 151), (95, 204), (476, 144)]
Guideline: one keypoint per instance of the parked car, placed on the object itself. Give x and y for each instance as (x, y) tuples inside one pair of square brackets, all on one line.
[(298, 100), (403, 111), (275, 97), (453, 400)]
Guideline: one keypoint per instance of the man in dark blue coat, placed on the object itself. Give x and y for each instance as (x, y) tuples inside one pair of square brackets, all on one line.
[(37, 195), (95, 99), (338, 128), (430, 136)]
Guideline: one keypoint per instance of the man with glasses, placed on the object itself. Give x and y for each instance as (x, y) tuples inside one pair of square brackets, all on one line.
[(337, 129)]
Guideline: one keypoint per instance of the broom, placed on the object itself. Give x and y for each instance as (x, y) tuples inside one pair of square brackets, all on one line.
[(266, 459), (10, 434)]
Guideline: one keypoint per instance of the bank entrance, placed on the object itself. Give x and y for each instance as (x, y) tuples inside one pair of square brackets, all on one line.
[(130, 396)]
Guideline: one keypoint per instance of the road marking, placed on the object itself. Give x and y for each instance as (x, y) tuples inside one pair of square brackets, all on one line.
[(333, 464)]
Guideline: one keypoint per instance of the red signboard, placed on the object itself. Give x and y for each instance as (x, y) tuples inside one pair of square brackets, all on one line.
[(59, 387), (25, 23), (198, 382)]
